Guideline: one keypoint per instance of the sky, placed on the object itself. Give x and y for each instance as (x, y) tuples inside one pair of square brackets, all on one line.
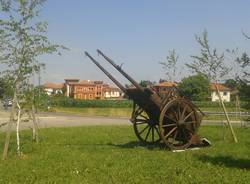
[(138, 33)]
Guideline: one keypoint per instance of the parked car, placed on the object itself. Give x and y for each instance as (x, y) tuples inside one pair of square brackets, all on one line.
[(7, 102)]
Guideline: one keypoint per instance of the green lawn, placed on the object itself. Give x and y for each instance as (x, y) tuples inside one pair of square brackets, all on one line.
[(111, 154)]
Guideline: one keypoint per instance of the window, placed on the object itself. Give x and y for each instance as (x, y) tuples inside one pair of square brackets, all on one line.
[(224, 93)]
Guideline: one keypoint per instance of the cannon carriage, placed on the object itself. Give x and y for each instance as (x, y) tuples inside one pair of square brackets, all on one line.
[(172, 119)]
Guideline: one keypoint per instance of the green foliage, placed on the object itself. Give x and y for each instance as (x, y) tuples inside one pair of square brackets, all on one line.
[(231, 83), (1, 88), (170, 65), (208, 63), (70, 102), (146, 83), (23, 40), (244, 90), (195, 87), (112, 154), (35, 96), (6, 89), (244, 62)]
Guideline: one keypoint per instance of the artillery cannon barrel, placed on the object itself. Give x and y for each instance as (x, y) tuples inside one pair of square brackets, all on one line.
[(106, 72), (138, 86)]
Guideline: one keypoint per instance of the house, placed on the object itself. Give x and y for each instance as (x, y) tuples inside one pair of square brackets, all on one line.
[(112, 92), (225, 92), (89, 90), (53, 88), (164, 87)]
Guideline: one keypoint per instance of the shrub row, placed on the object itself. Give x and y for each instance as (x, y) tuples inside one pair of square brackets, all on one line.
[(70, 102)]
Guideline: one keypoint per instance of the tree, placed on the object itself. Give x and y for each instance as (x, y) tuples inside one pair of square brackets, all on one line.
[(195, 87), (244, 63), (23, 40), (212, 65), (170, 65), (1, 88), (6, 90), (231, 83), (147, 83)]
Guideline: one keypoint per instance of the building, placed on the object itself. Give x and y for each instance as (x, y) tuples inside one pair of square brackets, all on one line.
[(112, 92), (164, 87), (225, 92), (53, 88), (89, 90)]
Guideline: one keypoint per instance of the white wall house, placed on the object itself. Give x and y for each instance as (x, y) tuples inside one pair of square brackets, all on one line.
[(112, 92), (224, 92), (52, 88)]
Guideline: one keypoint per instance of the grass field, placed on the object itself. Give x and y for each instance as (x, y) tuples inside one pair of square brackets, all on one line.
[(111, 154)]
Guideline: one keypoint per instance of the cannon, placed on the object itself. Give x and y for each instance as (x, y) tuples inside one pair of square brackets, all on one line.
[(172, 118)]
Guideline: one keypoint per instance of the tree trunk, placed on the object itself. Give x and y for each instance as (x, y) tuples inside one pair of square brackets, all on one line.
[(11, 121), (35, 125), (226, 114), (17, 130)]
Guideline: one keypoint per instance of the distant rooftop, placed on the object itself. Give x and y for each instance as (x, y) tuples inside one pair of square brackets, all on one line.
[(221, 87), (166, 84), (53, 85)]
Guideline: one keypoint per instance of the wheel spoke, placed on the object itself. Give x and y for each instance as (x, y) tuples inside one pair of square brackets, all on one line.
[(188, 115), (140, 111), (175, 135), (140, 123), (168, 125), (143, 129), (170, 132), (183, 112), (190, 132), (183, 134), (179, 110), (157, 131), (153, 134), (142, 120), (170, 118), (144, 116), (190, 122), (176, 115), (148, 133)]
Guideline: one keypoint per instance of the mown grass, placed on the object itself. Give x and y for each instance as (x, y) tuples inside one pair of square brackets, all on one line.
[(111, 154)]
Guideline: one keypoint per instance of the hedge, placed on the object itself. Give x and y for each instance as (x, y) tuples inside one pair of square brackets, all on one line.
[(70, 102)]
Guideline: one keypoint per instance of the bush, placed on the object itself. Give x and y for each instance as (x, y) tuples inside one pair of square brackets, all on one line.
[(70, 102)]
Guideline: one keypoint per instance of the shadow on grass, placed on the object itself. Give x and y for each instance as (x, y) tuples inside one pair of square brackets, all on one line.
[(135, 144), (227, 161)]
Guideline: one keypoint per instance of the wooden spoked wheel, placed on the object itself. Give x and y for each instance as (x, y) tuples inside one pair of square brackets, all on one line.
[(178, 122), (146, 130)]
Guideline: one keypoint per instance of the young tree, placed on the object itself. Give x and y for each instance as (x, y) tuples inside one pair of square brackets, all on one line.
[(170, 65), (23, 40), (195, 87), (1, 88), (212, 65), (244, 63)]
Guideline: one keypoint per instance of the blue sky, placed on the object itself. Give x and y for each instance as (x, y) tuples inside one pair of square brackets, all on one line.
[(138, 33)]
